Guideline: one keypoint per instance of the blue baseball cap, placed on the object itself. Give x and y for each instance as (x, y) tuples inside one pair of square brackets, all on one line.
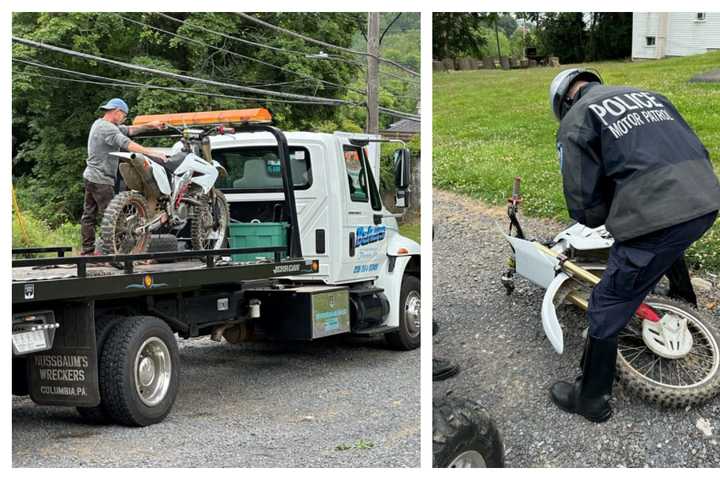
[(114, 103)]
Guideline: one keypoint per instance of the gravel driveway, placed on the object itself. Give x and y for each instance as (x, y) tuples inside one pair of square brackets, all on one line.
[(508, 365), (334, 403)]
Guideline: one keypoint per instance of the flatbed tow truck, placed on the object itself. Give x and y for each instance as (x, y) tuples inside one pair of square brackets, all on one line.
[(103, 338)]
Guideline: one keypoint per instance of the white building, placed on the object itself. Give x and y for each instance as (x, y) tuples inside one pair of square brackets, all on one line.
[(676, 34)]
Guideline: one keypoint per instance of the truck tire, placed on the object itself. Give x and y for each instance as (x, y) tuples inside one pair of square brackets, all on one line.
[(139, 371), (407, 336), (103, 326), (464, 436)]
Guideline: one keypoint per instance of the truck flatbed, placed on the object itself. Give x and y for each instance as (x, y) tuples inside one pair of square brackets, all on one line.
[(43, 279)]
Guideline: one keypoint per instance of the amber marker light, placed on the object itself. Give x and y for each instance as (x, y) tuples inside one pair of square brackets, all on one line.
[(247, 115), (402, 251), (148, 281), (315, 266)]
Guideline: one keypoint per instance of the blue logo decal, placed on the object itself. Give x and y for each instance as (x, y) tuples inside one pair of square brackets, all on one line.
[(366, 235)]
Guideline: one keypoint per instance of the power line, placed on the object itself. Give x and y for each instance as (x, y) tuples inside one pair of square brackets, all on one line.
[(123, 84), (131, 84), (120, 82), (230, 52), (325, 44), (178, 76)]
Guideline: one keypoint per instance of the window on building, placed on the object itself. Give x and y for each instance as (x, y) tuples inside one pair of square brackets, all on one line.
[(650, 41), (700, 17)]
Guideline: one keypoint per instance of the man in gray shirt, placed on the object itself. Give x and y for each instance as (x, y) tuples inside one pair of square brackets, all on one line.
[(107, 135)]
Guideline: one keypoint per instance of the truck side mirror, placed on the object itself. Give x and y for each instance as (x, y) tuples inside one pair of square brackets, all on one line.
[(401, 162)]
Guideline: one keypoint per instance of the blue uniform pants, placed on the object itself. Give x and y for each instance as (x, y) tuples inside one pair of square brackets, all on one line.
[(634, 268)]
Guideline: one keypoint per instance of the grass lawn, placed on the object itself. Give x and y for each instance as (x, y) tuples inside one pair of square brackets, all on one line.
[(411, 230), (490, 126)]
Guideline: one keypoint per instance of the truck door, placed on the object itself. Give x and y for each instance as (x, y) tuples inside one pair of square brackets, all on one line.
[(365, 236)]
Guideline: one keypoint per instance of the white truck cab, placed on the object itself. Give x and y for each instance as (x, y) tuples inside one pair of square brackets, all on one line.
[(342, 220)]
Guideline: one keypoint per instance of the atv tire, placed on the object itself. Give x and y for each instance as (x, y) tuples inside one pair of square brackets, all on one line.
[(407, 336), (674, 395), (465, 436)]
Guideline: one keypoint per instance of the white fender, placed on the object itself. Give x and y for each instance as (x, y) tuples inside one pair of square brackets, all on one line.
[(399, 246), (551, 324), (193, 163)]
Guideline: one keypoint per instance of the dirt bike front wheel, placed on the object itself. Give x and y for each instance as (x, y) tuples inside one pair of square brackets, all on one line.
[(690, 380), (121, 231), (210, 222)]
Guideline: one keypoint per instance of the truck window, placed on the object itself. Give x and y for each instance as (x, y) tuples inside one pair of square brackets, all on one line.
[(355, 169), (255, 169)]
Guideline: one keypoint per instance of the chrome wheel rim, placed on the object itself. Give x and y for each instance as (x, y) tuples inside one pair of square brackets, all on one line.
[(468, 459), (412, 313), (131, 219), (692, 370), (153, 369)]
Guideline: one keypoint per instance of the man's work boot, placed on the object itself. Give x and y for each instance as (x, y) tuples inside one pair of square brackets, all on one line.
[(444, 369), (589, 395)]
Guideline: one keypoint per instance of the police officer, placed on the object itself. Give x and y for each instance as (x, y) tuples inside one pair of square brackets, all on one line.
[(631, 162)]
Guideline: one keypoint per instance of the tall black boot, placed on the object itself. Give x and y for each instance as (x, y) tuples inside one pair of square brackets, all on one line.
[(589, 395)]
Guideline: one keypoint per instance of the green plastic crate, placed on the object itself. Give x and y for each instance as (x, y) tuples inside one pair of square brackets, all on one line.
[(256, 234)]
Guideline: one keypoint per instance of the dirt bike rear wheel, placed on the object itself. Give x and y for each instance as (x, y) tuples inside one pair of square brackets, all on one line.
[(209, 222), (690, 380), (124, 214)]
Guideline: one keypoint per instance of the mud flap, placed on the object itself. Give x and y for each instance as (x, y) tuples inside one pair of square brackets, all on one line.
[(67, 374), (551, 324)]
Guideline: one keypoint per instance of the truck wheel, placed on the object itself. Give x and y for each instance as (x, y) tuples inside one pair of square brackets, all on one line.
[(103, 326), (139, 371), (407, 337), (464, 436)]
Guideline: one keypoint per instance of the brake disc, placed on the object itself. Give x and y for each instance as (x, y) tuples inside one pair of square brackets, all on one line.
[(669, 337)]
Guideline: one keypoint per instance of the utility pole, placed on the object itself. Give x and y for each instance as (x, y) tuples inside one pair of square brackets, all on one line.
[(373, 48)]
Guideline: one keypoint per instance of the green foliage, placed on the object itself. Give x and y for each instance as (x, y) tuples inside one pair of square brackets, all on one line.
[(456, 34), (40, 234), (563, 35), (490, 126), (411, 231), (51, 117)]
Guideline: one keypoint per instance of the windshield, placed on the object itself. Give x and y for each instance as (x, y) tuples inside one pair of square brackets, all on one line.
[(258, 168)]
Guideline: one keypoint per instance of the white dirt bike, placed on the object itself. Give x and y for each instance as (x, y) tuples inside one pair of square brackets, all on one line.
[(669, 354), (163, 197)]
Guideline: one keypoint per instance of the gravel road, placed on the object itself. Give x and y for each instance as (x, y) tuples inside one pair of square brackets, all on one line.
[(333, 403), (508, 365)]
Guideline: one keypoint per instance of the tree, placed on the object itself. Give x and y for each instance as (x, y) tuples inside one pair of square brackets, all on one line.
[(456, 35), (563, 35)]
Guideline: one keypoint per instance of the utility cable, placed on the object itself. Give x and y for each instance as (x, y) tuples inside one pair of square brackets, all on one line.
[(230, 52), (325, 44)]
